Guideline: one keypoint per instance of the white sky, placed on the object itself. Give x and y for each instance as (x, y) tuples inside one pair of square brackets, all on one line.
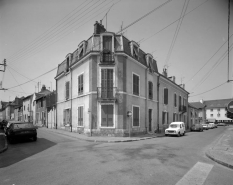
[(36, 35)]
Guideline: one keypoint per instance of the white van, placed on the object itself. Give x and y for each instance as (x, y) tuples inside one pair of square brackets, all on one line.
[(175, 128)]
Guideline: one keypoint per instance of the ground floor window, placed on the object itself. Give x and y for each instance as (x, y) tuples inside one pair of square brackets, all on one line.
[(66, 117), (165, 118), (106, 115), (80, 116), (136, 114)]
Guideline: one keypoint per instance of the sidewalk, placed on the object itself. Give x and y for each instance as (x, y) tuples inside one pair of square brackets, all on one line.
[(221, 151), (103, 139)]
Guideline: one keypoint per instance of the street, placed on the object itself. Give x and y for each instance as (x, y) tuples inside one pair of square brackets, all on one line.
[(58, 159)]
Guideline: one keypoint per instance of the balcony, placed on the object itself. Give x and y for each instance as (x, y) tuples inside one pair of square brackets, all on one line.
[(106, 94), (182, 109), (107, 58)]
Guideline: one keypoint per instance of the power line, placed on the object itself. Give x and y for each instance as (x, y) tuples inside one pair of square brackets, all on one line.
[(143, 40), (207, 61), (176, 32), (48, 42), (15, 79), (116, 33), (57, 32), (49, 30), (34, 78), (209, 90), (213, 67), (20, 73), (145, 15)]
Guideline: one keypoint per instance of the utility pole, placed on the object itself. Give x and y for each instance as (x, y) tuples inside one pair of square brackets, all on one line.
[(4, 69)]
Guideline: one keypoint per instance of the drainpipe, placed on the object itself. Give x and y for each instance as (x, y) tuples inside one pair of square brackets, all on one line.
[(56, 104), (146, 107), (71, 100), (158, 103)]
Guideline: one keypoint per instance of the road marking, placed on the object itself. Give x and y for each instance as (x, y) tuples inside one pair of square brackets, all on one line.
[(196, 175)]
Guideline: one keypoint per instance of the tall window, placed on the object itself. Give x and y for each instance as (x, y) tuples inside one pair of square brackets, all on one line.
[(107, 43), (135, 52), (107, 83), (67, 93), (135, 84), (165, 96), (66, 116), (106, 115), (165, 117), (41, 102), (179, 100), (174, 116), (211, 110), (211, 115), (80, 84), (135, 116), (80, 116), (150, 90), (175, 103)]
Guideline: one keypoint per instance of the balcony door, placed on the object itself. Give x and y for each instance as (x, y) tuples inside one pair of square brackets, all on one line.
[(107, 83)]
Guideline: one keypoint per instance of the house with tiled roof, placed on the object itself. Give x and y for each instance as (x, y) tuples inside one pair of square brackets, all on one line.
[(109, 86), (217, 109)]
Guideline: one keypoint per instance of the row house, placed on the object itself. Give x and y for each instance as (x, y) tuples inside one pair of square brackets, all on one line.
[(10, 108), (51, 105), (200, 106), (108, 76), (3, 110), (40, 107), (193, 115), (173, 101), (19, 113)]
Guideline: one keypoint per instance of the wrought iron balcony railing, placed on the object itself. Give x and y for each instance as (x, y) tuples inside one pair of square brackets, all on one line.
[(107, 58), (182, 108), (104, 93)]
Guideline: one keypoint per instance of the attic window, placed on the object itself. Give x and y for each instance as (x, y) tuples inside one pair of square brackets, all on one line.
[(80, 53), (135, 52), (67, 64)]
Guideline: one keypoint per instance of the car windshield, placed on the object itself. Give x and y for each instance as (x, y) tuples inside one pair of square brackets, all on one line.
[(23, 125), (173, 126)]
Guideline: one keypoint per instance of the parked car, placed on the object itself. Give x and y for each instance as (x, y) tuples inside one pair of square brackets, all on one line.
[(222, 124), (3, 124), (16, 129), (211, 125), (205, 126), (175, 128), (197, 127)]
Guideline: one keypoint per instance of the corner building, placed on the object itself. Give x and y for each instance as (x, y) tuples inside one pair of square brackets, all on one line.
[(103, 79)]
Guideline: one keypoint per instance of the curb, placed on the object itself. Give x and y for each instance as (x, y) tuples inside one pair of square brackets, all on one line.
[(218, 161), (6, 144), (107, 141)]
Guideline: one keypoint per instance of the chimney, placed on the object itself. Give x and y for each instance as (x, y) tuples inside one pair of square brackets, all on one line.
[(98, 28), (174, 79), (43, 88), (183, 85), (165, 72)]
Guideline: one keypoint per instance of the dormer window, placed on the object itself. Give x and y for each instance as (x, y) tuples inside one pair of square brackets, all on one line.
[(149, 61), (134, 49), (67, 64), (107, 43), (68, 61), (81, 49)]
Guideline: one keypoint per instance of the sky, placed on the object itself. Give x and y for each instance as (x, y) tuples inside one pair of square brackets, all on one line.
[(36, 36)]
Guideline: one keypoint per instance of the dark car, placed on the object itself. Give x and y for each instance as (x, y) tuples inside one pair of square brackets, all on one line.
[(16, 129), (3, 124), (197, 127)]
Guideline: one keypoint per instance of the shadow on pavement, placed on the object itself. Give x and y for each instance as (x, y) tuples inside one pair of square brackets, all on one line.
[(23, 149)]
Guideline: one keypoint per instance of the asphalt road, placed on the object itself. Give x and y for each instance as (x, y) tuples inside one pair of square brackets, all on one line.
[(56, 159)]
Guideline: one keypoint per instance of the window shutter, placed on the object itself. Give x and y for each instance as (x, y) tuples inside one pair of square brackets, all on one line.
[(165, 96)]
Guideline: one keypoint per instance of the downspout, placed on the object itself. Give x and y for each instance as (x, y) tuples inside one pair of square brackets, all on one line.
[(158, 84), (71, 100), (146, 107), (56, 104)]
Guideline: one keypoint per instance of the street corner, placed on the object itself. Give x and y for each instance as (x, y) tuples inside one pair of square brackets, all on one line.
[(3, 142)]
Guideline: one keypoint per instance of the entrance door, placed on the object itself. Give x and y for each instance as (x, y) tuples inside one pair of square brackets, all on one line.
[(150, 119)]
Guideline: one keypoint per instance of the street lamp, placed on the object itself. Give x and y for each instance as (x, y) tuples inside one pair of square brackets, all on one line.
[(129, 115)]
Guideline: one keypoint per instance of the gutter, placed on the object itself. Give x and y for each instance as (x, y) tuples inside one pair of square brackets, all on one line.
[(158, 84)]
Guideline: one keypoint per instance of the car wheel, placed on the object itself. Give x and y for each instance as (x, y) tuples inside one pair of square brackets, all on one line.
[(184, 133), (35, 138), (178, 134)]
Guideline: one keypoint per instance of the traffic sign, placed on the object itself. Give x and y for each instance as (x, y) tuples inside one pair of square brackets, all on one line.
[(230, 106)]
